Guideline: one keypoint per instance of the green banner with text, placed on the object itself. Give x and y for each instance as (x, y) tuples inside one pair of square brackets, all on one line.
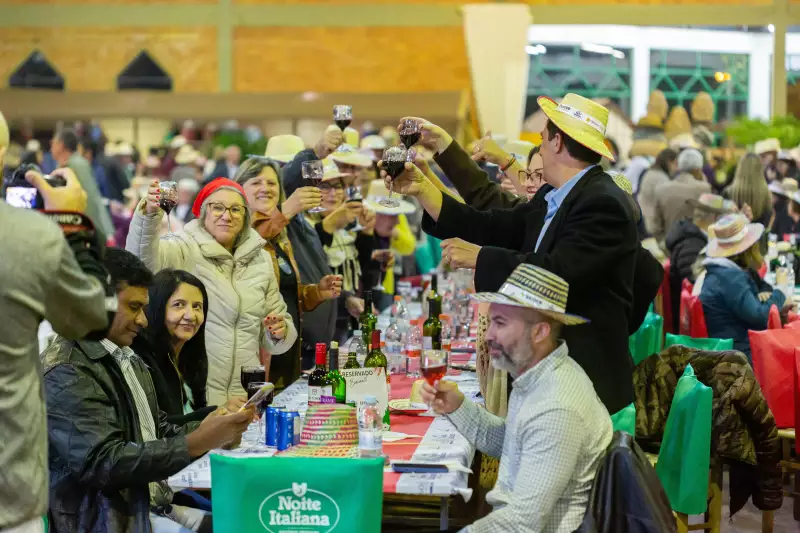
[(296, 495)]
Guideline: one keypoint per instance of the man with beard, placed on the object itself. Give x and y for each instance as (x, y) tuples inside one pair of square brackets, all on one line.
[(557, 430)]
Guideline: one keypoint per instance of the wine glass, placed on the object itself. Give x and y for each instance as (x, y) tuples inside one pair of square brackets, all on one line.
[(382, 257), (353, 194), (342, 116), (433, 365), (410, 133), (169, 199), (252, 374), (394, 162), (314, 172)]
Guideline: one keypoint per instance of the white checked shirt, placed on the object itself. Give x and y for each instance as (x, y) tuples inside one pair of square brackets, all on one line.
[(160, 494), (550, 446)]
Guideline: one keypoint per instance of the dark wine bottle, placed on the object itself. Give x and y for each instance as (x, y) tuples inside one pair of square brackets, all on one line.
[(367, 321), (432, 328), (376, 358), (319, 384), (338, 382)]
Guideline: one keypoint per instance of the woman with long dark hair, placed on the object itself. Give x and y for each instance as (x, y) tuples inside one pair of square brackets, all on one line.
[(174, 346)]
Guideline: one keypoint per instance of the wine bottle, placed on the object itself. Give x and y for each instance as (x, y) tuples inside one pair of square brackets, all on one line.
[(367, 321), (338, 382), (319, 384), (432, 328), (375, 359), (352, 360)]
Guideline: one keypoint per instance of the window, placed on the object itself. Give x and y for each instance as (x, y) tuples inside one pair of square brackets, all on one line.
[(680, 75), (36, 72), (571, 69), (144, 73)]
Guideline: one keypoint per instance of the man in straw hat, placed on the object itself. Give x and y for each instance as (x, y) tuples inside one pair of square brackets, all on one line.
[(579, 226), (557, 430)]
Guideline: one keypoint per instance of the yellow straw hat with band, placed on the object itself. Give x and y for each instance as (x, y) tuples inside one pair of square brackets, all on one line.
[(581, 119), (535, 288)]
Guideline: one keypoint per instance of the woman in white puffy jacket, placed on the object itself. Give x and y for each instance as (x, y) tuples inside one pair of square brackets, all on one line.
[(246, 311)]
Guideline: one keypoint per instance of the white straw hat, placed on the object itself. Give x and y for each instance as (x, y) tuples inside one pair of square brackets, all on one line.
[(378, 192), (283, 148)]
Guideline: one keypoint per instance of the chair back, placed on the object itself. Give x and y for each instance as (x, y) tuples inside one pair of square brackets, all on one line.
[(773, 360), (716, 345), (648, 338), (693, 320), (666, 291)]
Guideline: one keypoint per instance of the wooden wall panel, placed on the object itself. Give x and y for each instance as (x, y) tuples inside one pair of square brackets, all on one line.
[(358, 59), (648, 2), (103, 2), (91, 58)]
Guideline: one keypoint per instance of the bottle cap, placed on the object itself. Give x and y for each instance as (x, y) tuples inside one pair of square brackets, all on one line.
[(397, 297), (321, 354), (444, 316), (376, 338), (334, 345), (356, 332)]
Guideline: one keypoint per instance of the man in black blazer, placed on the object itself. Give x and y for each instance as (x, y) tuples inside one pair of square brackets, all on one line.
[(582, 229)]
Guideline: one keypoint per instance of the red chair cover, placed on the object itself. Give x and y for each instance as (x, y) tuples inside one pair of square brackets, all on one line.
[(796, 367), (693, 321), (773, 352), (687, 285), (666, 298), (774, 320)]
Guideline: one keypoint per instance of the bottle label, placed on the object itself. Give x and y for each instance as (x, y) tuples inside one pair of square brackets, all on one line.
[(315, 394), (427, 343), (370, 439)]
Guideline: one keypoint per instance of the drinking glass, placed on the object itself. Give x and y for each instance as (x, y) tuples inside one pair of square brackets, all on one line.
[(252, 374), (169, 199), (313, 171), (382, 257), (410, 133), (353, 194), (394, 163), (433, 365), (342, 116), (261, 406)]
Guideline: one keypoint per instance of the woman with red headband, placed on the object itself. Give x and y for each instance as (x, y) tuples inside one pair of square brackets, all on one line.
[(246, 310)]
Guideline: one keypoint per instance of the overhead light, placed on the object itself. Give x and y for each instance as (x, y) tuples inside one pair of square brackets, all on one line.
[(771, 28), (603, 49), (535, 49), (309, 96)]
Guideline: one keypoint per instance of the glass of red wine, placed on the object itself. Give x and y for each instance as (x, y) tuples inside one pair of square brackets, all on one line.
[(382, 257), (342, 116), (314, 171), (353, 194), (394, 162), (252, 388), (433, 365), (169, 199), (410, 133), (252, 374)]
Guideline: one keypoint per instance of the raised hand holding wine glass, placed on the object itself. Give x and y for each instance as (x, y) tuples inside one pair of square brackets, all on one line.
[(431, 135), (353, 194), (394, 161), (313, 172), (168, 200)]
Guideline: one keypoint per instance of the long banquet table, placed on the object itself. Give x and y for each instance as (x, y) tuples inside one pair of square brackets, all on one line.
[(440, 442)]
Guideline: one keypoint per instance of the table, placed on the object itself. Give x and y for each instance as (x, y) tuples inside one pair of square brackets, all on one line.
[(440, 442)]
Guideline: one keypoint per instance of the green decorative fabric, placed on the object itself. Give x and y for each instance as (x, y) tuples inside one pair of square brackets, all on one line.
[(648, 339), (625, 420), (700, 344)]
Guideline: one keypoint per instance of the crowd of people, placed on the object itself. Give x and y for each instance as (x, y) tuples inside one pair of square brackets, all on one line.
[(247, 271)]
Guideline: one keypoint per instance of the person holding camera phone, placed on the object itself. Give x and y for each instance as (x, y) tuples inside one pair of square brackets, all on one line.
[(50, 270)]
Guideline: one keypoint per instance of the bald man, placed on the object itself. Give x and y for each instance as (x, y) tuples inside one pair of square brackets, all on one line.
[(42, 274)]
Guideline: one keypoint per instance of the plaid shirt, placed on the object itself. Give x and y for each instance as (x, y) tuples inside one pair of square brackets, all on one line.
[(550, 446)]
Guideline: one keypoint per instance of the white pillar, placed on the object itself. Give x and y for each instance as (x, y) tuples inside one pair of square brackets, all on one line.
[(496, 35), (640, 80), (760, 80)]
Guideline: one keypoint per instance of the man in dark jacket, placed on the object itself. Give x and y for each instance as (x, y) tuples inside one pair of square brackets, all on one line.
[(687, 238), (582, 230), (110, 446)]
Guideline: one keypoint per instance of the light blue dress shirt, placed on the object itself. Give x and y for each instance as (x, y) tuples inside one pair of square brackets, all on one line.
[(554, 200)]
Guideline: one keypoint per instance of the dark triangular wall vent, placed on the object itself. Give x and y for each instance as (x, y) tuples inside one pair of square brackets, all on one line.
[(144, 73), (36, 72)]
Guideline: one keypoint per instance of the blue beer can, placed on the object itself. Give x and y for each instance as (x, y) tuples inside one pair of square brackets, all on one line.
[(297, 424), (285, 430), (272, 425)]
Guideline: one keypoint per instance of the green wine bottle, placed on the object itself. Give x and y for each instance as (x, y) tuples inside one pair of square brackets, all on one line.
[(339, 384), (367, 320), (375, 359)]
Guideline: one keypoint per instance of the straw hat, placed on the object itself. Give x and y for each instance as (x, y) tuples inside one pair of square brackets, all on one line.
[(648, 147), (683, 141), (733, 235), (785, 155), (186, 155), (519, 149), (535, 288), (330, 171), (621, 181), (651, 121), (329, 430), (373, 142), (789, 186), (351, 136), (177, 142), (581, 119), (188, 184), (283, 148), (702, 108), (377, 192), (767, 145), (776, 188), (390, 135), (713, 203), (678, 122), (347, 155), (33, 145)]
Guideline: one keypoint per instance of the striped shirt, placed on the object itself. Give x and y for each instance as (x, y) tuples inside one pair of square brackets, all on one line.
[(550, 446), (160, 493)]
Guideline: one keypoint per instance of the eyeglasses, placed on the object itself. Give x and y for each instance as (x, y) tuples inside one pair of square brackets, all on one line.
[(535, 177), (236, 211), (326, 187)]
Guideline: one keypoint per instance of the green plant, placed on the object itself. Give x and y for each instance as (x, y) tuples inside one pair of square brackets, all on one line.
[(746, 132), (239, 139)]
